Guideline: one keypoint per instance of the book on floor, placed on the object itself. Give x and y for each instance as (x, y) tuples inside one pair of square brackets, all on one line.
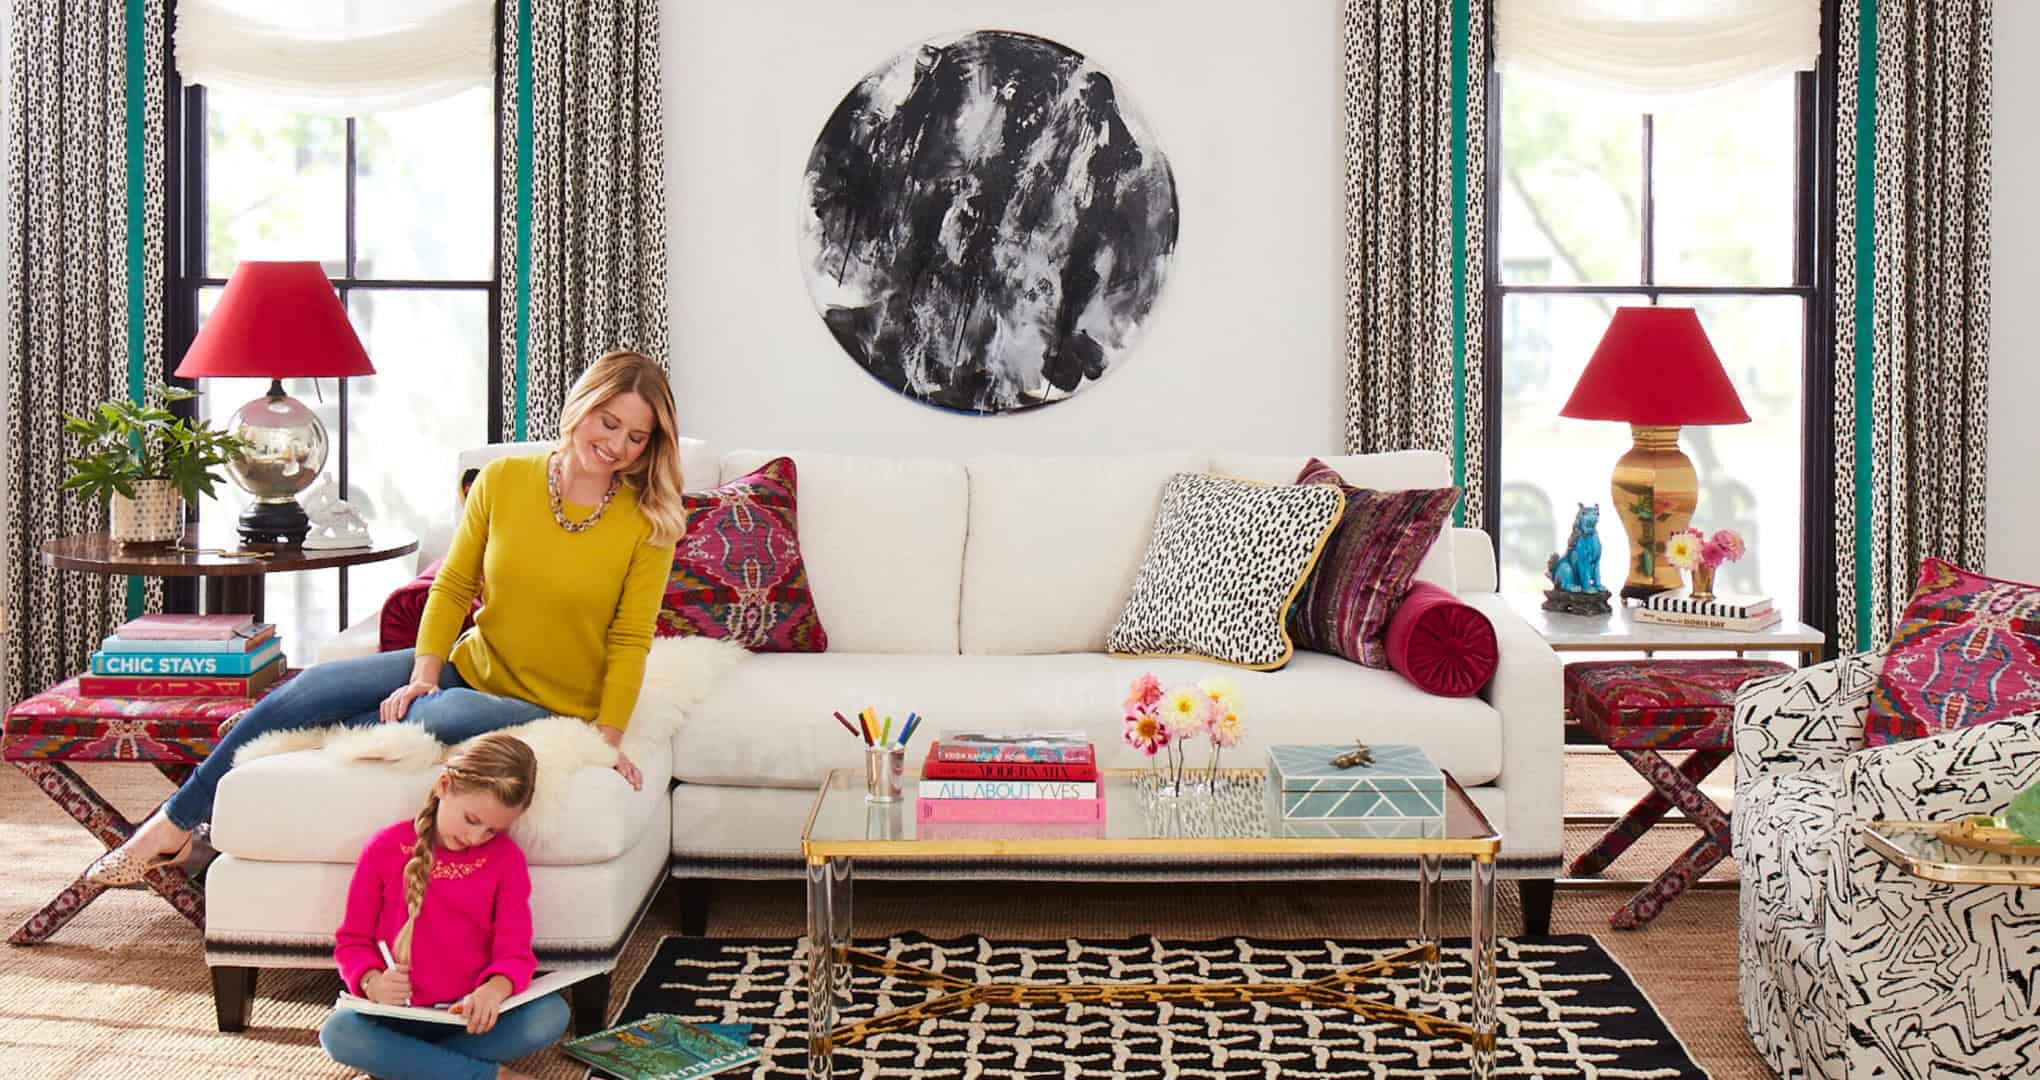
[(548, 983), (176, 663), (1709, 622), (170, 627), (661, 1047), (254, 638), (198, 686)]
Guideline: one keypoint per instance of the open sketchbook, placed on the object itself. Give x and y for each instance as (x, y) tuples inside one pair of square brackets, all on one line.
[(438, 1014)]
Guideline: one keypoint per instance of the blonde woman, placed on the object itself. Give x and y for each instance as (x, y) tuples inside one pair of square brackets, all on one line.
[(576, 545), (448, 894)]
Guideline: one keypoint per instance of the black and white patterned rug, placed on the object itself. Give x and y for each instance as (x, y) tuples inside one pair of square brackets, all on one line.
[(1568, 1010)]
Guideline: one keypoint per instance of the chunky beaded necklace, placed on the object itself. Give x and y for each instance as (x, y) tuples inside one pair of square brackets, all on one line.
[(559, 510)]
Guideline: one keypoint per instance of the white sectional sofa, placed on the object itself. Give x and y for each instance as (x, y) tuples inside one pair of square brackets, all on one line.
[(973, 592)]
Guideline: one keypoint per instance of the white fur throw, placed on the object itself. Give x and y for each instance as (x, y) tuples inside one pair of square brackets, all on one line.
[(679, 673)]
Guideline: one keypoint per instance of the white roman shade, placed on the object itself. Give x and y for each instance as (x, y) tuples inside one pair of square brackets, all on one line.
[(340, 58), (1657, 53)]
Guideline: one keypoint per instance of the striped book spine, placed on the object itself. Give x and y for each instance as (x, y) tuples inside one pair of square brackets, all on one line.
[(1709, 622), (1721, 607)]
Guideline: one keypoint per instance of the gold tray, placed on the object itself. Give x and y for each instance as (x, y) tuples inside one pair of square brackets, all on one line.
[(1986, 834)]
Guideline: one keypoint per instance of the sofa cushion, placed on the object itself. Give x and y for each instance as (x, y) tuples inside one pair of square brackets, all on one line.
[(311, 806), (1054, 545), (1967, 651), (1367, 566), (738, 573), (883, 542), (404, 607), (1442, 644), (1398, 470), (767, 722), (1226, 561)]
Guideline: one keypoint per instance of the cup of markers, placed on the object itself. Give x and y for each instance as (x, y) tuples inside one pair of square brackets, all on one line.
[(885, 753)]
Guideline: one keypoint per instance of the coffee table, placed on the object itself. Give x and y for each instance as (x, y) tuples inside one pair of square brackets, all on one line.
[(1231, 820)]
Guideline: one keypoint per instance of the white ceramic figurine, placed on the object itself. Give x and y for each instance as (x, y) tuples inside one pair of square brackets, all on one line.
[(335, 523)]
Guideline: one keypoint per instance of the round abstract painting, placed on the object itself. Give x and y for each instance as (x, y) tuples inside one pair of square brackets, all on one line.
[(987, 222)]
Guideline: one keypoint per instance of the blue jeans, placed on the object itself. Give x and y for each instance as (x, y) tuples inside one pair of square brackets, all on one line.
[(391, 1049), (348, 692)]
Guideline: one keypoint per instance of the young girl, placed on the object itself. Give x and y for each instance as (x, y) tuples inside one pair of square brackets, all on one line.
[(449, 895)]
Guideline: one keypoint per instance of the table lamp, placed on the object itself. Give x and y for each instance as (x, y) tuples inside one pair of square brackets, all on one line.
[(277, 320), (1656, 371)]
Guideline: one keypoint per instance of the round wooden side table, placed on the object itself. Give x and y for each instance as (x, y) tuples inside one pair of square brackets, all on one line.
[(230, 573)]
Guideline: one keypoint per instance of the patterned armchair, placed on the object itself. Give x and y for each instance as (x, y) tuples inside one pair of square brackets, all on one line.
[(1851, 967)]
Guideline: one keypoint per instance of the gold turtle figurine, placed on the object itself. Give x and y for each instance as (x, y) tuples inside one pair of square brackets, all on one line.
[(1361, 754)]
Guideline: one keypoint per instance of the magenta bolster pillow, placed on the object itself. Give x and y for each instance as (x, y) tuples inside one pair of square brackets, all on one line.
[(1443, 645)]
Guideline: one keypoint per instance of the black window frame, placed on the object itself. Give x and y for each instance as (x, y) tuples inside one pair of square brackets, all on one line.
[(186, 277), (1813, 282)]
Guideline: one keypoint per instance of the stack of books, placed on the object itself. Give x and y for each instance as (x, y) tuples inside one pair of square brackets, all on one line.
[(1739, 613), (186, 656), (1024, 777)]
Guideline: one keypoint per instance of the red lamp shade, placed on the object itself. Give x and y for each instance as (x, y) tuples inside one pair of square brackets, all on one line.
[(1655, 367), (277, 320)]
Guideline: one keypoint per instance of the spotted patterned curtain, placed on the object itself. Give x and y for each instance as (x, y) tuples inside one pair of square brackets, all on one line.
[(84, 298), (1912, 300), (1416, 123), (583, 197)]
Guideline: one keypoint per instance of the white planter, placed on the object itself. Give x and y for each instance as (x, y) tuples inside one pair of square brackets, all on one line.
[(154, 516)]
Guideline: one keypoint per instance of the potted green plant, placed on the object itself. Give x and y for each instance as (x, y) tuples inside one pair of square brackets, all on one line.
[(147, 461)]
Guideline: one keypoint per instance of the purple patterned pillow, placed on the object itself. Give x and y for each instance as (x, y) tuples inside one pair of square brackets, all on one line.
[(1967, 652), (738, 572), (1367, 566)]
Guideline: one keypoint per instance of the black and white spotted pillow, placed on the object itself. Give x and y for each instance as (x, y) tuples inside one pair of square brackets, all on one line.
[(1222, 569)]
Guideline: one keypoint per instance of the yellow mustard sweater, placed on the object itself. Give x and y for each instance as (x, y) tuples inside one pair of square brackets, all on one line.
[(567, 619)]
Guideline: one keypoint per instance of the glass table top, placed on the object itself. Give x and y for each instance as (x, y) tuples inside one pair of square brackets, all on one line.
[(1917, 847), (1235, 819)]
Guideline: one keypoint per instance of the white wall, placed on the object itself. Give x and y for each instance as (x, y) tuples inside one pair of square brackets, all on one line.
[(1241, 352), (2014, 533)]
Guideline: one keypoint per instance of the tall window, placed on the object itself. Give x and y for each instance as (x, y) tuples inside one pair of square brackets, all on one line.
[(1705, 208), (398, 207)]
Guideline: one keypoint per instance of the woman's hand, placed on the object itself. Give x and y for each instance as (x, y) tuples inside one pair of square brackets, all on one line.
[(482, 1004), (399, 702), (624, 765), (392, 987)]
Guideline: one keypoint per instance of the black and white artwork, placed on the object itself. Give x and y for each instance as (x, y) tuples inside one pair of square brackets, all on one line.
[(987, 222)]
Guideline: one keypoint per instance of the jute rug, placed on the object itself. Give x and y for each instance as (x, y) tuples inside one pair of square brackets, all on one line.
[(1567, 1009), (123, 992)]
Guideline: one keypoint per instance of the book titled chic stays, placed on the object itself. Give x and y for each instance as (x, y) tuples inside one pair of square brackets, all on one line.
[(177, 663)]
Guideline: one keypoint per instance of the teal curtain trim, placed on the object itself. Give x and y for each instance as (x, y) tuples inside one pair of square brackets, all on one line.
[(135, 106), (1462, 25), (1866, 314), (524, 140)]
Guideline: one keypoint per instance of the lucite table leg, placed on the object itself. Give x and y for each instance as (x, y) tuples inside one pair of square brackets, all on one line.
[(1428, 930), (826, 940), (1485, 993), (842, 928)]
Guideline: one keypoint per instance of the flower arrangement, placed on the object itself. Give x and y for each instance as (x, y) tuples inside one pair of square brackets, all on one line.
[(1699, 554), (1162, 723)]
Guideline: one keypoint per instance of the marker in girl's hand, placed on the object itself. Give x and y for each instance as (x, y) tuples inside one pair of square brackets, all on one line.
[(389, 962)]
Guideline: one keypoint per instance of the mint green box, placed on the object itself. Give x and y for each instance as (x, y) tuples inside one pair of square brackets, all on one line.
[(1304, 785)]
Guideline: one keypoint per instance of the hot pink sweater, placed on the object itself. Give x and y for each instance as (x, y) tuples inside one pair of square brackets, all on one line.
[(475, 922)]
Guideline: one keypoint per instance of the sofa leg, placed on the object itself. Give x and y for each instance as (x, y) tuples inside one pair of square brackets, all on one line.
[(591, 1004), (233, 991), (1537, 894), (693, 907)]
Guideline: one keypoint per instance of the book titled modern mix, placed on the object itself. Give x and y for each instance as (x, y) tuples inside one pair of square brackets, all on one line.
[(186, 656), (1016, 777)]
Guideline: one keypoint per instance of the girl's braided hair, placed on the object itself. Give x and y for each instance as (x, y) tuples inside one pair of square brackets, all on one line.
[(502, 765)]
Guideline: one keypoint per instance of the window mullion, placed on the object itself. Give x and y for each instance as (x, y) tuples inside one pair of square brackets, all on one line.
[(1649, 204)]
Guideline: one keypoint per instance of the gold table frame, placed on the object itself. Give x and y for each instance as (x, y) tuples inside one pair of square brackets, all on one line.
[(830, 875), (1964, 867)]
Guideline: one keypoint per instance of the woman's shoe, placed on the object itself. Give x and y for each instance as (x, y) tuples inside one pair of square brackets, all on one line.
[(120, 868)]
